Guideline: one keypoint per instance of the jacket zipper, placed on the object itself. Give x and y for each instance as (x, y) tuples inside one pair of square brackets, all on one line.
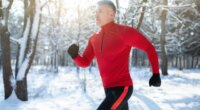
[(102, 42)]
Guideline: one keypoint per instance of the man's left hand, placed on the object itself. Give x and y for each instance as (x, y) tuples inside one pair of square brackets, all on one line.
[(155, 80)]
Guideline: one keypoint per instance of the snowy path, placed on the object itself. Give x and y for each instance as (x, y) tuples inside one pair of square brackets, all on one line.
[(64, 91), (142, 102)]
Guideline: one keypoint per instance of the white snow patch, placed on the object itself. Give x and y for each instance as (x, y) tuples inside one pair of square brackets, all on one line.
[(63, 91)]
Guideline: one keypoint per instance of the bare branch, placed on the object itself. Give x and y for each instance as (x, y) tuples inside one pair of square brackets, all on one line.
[(10, 4), (12, 39), (43, 5)]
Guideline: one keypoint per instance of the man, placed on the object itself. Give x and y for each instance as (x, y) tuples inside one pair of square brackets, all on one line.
[(111, 47)]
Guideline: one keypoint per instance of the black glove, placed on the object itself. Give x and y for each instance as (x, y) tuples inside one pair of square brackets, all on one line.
[(73, 50), (155, 80)]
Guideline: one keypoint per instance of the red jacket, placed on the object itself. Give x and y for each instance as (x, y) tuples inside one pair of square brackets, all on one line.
[(111, 47)]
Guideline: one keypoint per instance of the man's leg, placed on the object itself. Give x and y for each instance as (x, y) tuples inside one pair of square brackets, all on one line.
[(116, 98), (125, 107), (106, 104)]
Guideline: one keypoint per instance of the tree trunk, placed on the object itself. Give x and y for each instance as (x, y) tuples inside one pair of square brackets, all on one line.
[(62, 58), (0, 60), (180, 63), (28, 55), (188, 61), (21, 90), (17, 61), (184, 61), (197, 61), (192, 63), (5, 46), (136, 57), (118, 12), (7, 71), (143, 59), (135, 53), (176, 63), (55, 69), (141, 16), (164, 61), (172, 61)]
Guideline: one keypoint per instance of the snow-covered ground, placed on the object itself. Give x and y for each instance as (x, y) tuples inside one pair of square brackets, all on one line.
[(64, 91)]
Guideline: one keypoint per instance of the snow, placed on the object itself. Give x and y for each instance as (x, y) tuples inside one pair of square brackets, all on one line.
[(13, 82), (64, 90), (194, 5), (12, 38), (191, 33), (5, 3), (23, 63), (12, 100), (36, 19), (23, 42), (22, 70)]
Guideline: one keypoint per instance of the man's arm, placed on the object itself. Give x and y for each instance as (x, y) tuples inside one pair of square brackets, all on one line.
[(86, 58), (136, 39)]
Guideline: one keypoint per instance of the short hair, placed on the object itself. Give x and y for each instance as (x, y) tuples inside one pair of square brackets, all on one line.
[(108, 3)]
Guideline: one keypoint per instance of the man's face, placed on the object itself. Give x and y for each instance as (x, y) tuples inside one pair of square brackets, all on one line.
[(104, 15)]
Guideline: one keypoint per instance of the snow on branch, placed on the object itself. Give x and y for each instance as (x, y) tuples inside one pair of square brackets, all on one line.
[(24, 41), (174, 16), (25, 63), (24, 66), (22, 70), (44, 4), (193, 5), (173, 6), (12, 39), (5, 4), (36, 20)]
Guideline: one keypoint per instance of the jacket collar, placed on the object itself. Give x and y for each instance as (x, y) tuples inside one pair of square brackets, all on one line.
[(107, 26)]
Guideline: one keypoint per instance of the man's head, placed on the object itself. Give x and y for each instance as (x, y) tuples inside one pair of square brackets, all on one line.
[(105, 12)]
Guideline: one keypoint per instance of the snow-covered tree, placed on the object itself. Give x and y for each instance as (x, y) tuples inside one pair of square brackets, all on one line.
[(176, 25), (26, 47)]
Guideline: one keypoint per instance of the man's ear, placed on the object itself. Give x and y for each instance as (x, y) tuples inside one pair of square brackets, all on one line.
[(112, 14)]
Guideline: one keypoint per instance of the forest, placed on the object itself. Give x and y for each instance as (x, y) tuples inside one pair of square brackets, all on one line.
[(39, 32)]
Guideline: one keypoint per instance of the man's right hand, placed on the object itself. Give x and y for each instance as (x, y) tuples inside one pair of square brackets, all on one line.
[(73, 50)]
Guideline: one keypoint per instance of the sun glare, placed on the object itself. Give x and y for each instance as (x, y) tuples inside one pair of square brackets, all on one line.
[(72, 6), (75, 3)]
